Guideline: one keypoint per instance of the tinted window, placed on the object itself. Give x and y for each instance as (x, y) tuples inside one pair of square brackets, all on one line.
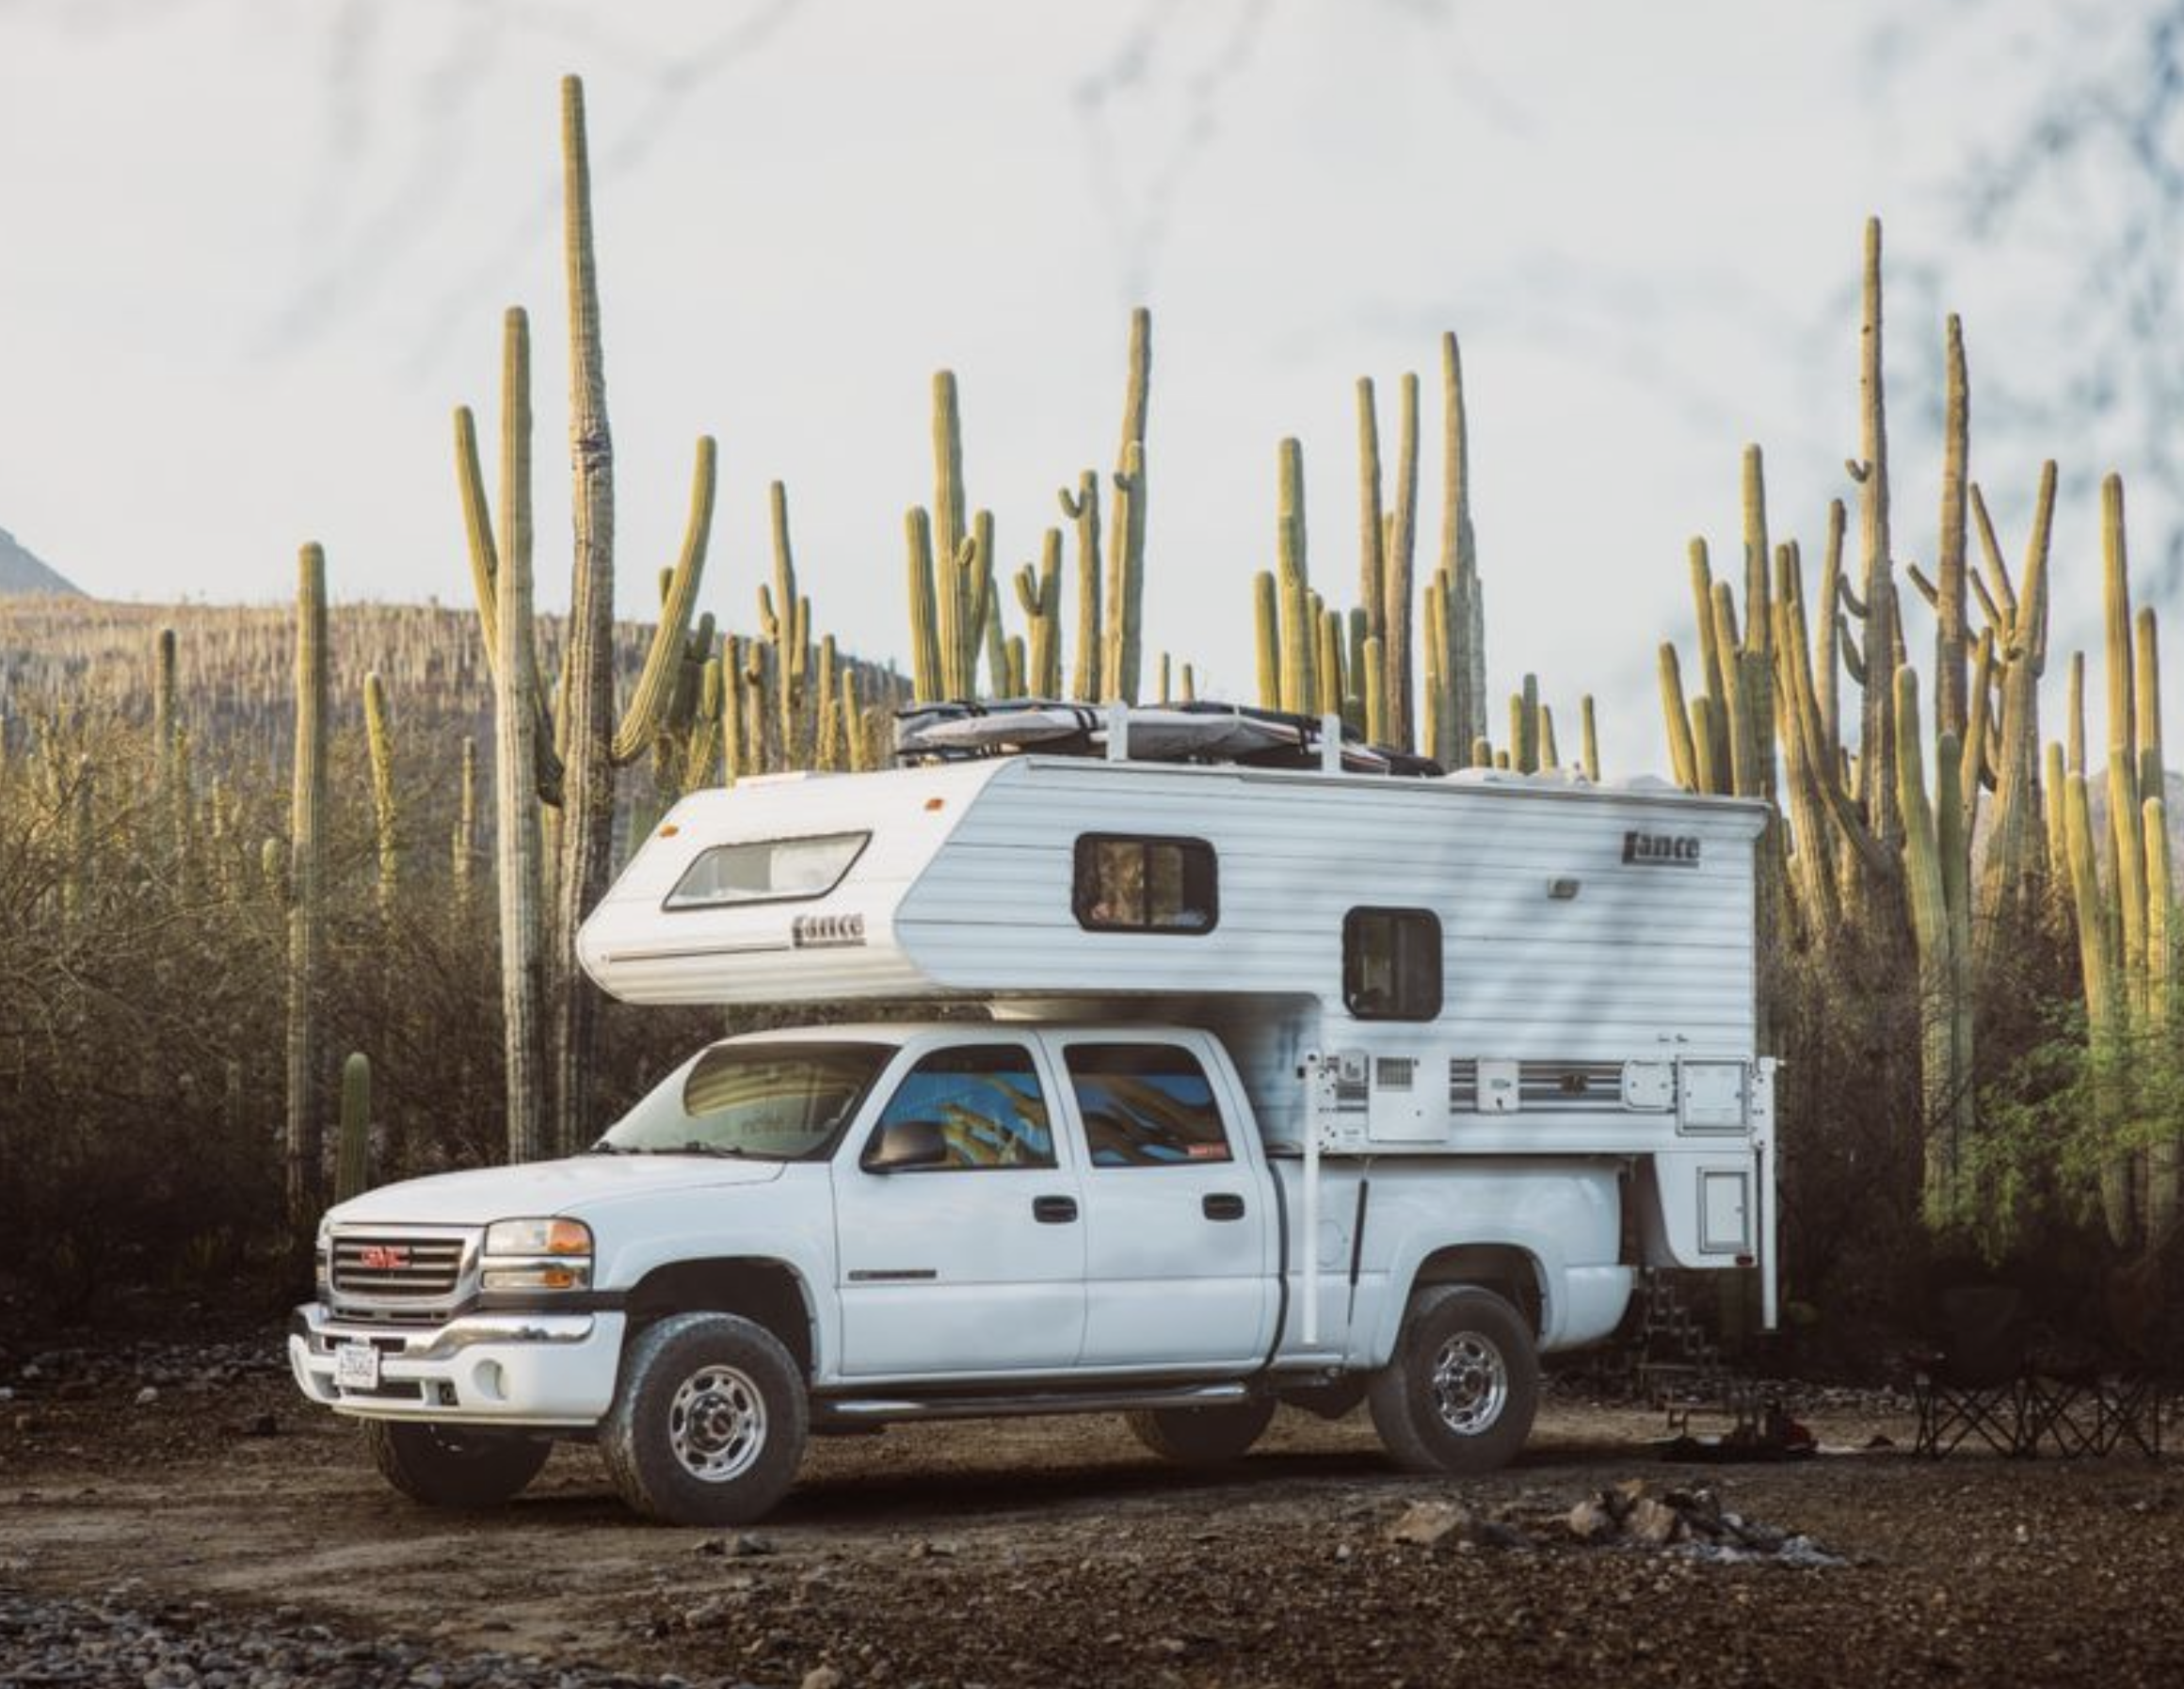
[(783, 1101), (1130, 884), (1146, 1105), (986, 1102), (1392, 964), (766, 871)]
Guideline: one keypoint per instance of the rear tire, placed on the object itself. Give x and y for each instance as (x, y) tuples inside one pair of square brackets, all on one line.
[(708, 1421), (1202, 1436), (452, 1465), (1461, 1390)]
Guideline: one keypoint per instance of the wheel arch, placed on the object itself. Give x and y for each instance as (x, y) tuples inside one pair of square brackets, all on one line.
[(767, 1292), (1521, 1274)]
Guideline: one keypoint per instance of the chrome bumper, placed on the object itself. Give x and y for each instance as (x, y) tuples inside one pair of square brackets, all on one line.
[(512, 1368)]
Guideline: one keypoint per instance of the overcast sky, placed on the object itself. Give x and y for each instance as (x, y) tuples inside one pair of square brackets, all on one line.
[(252, 251)]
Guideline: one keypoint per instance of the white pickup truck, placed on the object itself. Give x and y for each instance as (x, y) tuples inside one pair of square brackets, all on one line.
[(827, 1230), (1293, 1083)]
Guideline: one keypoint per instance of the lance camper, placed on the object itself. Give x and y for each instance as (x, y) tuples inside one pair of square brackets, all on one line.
[(1229, 1085)]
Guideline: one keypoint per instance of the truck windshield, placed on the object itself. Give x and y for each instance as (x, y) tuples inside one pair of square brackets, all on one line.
[(769, 1101)]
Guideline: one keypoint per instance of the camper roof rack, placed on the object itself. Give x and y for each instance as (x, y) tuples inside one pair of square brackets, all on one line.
[(1197, 731)]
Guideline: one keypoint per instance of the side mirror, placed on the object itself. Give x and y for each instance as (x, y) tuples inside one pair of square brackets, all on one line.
[(901, 1146)]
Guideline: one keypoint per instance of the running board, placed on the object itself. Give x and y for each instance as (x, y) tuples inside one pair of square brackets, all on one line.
[(876, 1410)]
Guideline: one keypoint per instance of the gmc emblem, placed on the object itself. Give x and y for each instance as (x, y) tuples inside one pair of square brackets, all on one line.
[(382, 1258)]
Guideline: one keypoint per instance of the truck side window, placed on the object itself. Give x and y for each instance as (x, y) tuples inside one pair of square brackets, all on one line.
[(986, 1102), (1392, 964), (1146, 1105), (1125, 883)]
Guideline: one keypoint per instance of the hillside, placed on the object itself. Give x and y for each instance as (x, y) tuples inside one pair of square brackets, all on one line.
[(21, 572)]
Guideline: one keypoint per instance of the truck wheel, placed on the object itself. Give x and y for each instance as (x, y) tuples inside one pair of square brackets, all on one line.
[(708, 1422), (1202, 1436), (452, 1466), (1461, 1390)]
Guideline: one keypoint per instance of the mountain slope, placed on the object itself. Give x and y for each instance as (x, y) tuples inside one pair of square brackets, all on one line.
[(22, 573)]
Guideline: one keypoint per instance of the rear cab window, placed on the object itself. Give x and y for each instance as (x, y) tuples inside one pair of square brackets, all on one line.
[(1147, 1105)]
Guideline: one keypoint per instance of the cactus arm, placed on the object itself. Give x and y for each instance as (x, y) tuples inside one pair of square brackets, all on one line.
[(1370, 534), (1266, 637), (1676, 717), (640, 723), (2002, 588), (927, 677), (1927, 589), (1951, 701)]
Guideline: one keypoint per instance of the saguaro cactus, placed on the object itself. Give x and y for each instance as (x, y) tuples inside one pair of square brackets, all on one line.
[(352, 1175), (306, 895), (386, 815), (1126, 528)]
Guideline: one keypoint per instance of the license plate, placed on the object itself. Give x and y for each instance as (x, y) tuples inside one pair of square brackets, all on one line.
[(356, 1366)]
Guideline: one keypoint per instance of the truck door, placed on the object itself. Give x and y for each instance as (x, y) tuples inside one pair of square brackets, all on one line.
[(968, 1256), (1176, 1273)]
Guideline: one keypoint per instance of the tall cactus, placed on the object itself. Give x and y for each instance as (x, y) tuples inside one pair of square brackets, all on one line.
[(306, 891), (1126, 526), (386, 803), (1298, 633), (1459, 561), (1082, 509), (591, 743), (1396, 572), (352, 1175)]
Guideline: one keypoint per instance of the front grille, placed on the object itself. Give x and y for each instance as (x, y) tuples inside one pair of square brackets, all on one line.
[(398, 1265)]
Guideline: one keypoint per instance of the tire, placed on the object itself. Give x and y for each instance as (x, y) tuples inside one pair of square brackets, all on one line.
[(452, 1465), (1202, 1436), (1461, 1390), (708, 1421)]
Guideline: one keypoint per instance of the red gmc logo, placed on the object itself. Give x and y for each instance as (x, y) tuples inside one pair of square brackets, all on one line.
[(382, 1257)]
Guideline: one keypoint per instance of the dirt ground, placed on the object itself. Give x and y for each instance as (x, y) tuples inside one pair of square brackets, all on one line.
[(1058, 1551)]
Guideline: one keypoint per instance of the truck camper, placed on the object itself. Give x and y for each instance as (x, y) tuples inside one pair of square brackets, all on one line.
[(1251, 1064)]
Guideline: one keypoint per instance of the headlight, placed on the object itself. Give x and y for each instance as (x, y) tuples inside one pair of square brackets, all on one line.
[(537, 1255), (539, 1237)]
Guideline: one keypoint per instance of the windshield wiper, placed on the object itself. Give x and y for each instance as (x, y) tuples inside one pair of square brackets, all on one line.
[(730, 1152), (604, 1147)]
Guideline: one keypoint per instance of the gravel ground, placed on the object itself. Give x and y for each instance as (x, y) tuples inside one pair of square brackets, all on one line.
[(218, 1531)]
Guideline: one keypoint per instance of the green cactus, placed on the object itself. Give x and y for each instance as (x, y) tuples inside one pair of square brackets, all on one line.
[(929, 678), (1266, 637), (1297, 633), (1126, 528), (386, 807), (1396, 582), (463, 852), (1371, 530), (353, 1154), (1082, 509), (306, 900), (1465, 683)]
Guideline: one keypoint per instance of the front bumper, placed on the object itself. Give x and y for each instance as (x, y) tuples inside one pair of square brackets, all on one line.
[(499, 1369)]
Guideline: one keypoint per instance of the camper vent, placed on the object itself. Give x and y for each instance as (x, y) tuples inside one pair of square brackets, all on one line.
[(1351, 1096), (1564, 1087), (1394, 1073)]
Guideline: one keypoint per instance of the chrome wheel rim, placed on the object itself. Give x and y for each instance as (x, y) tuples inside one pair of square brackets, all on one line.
[(1470, 1384), (716, 1424)]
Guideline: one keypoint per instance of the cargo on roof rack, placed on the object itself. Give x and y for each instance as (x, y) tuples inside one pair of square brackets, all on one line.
[(1196, 731)]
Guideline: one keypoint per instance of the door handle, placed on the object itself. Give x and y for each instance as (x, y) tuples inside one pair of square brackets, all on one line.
[(1053, 1211), (1223, 1205)]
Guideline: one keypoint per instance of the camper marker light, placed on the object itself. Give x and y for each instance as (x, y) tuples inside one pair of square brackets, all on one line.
[(933, 804), (669, 831)]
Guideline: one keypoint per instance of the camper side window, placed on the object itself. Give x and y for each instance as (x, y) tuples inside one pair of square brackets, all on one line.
[(982, 1104), (1133, 884), (1392, 964), (1146, 1105)]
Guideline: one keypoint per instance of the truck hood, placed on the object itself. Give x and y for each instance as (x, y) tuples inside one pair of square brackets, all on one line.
[(573, 1186)]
